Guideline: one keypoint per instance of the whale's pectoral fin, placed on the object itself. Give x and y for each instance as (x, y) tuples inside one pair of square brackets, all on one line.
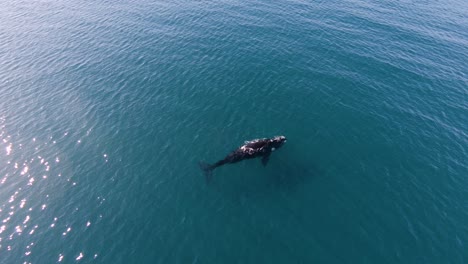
[(265, 159)]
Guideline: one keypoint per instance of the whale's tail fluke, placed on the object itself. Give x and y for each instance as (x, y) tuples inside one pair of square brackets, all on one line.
[(207, 170)]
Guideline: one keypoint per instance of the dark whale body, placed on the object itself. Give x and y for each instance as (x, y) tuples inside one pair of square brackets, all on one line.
[(251, 149)]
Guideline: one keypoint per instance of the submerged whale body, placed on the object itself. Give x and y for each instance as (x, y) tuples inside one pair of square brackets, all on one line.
[(251, 149)]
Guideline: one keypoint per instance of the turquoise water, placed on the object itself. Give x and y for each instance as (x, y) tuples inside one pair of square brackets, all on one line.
[(106, 108)]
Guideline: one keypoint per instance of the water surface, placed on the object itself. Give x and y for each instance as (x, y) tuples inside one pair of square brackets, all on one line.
[(106, 109)]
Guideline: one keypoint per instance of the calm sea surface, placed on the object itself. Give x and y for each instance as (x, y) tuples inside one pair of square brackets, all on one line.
[(106, 108)]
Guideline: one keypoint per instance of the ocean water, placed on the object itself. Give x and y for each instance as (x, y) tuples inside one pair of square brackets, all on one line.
[(106, 108)]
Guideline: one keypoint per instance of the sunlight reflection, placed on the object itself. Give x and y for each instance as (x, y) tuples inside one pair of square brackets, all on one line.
[(53, 223), (33, 230), (31, 181), (66, 232), (25, 170), (8, 149), (24, 174)]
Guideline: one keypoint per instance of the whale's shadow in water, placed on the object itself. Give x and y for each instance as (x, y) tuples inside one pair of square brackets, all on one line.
[(280, 175), (290, 174)]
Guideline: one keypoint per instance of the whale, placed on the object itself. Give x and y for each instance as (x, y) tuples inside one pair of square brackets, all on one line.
[(251, 149)]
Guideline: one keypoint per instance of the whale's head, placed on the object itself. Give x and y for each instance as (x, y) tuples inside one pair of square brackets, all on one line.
[(278, 141)]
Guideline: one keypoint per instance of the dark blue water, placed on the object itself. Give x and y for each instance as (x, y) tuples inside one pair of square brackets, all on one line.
[(107, 107)]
